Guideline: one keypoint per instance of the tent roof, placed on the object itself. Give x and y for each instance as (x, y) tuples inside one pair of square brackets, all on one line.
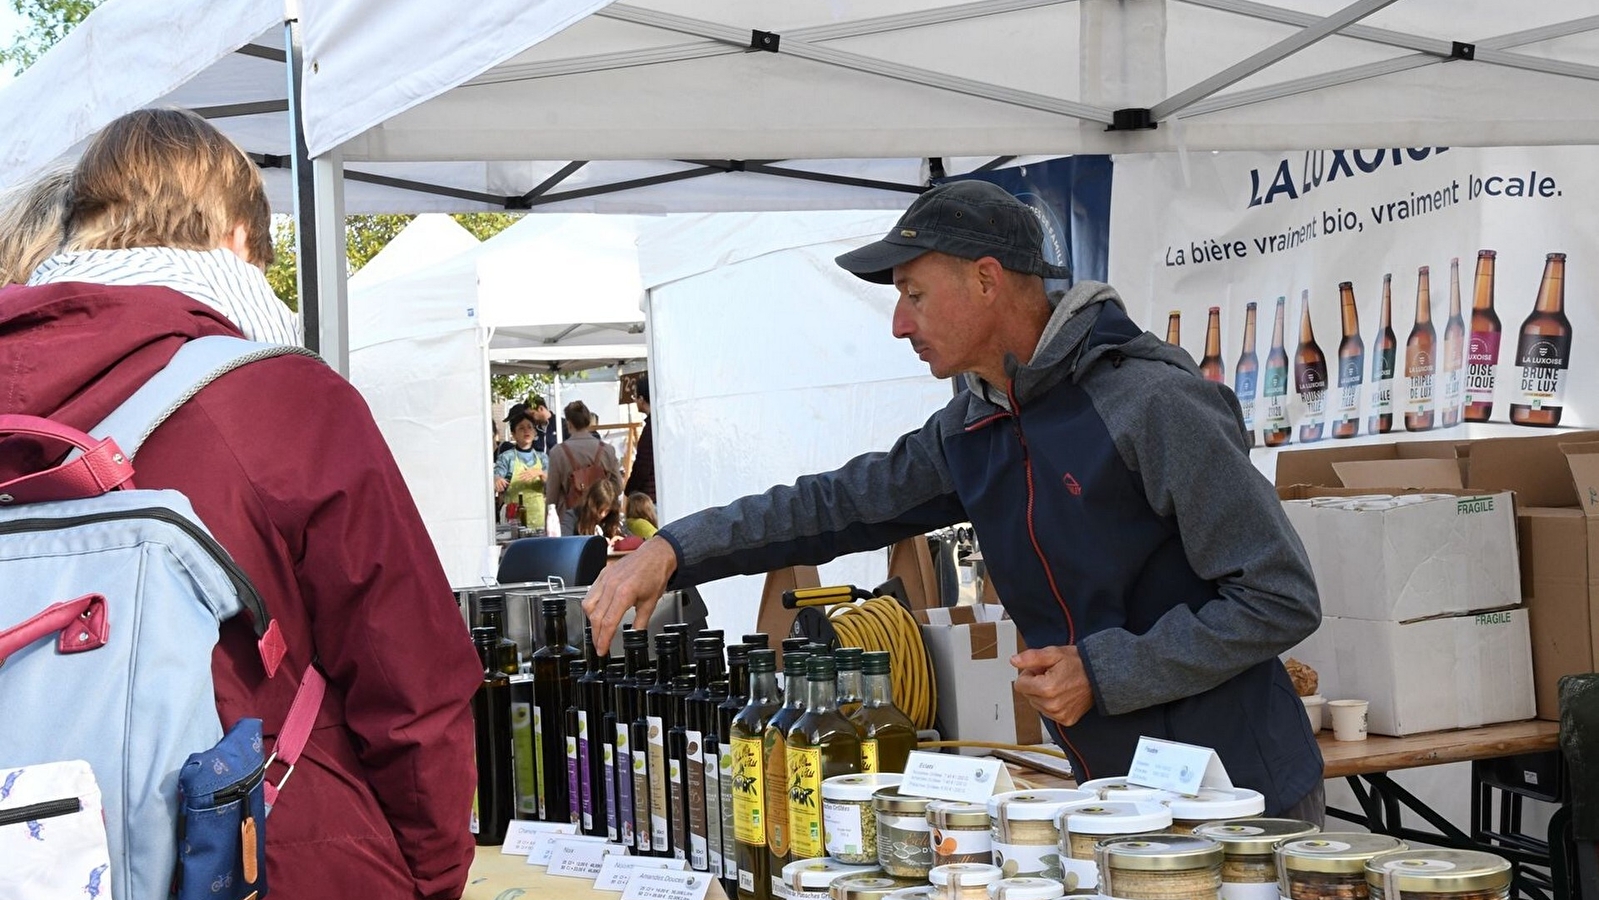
[(662, 93)]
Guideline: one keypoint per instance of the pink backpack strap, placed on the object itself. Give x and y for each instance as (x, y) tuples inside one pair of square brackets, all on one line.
[(296, 729)]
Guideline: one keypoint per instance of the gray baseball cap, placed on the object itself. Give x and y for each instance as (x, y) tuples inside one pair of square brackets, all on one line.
[(969, 219)]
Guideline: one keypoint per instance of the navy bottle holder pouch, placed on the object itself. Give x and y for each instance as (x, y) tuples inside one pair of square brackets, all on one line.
[(222, 819)]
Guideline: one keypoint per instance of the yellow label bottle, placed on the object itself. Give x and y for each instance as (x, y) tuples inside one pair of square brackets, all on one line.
[(805, 803)]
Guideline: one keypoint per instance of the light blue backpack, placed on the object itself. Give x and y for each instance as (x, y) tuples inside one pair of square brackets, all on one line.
[(110, 602)]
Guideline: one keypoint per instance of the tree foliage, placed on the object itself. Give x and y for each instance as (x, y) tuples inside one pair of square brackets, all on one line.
[(48, 22)]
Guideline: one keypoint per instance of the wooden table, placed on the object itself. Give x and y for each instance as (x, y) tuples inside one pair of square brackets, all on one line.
[(496, 876), (1387, 754)]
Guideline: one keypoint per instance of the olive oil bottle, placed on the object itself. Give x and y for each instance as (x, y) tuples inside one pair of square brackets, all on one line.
[(887, 735), (821, 744), (738, 688), (848, 660), (746, 736), (775, 745), (552, 691), (491, 719)]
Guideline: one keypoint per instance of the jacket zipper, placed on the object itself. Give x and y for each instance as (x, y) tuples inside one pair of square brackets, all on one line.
[(241, 582), (34, 812)]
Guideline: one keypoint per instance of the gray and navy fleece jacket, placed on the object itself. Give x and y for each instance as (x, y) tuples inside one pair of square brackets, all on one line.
[(1118, 511)]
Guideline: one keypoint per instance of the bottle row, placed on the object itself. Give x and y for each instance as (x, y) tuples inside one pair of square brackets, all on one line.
[(695, 753), (1445, 381)]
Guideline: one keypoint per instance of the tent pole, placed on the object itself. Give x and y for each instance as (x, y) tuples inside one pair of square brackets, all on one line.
[(327, 176), (319, 223), (305, 243)]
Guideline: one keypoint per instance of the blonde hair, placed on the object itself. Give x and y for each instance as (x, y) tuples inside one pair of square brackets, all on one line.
[(167, 178), (640, 506), (32, 221)]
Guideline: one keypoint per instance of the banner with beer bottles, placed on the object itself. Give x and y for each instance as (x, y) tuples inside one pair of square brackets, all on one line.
[(1372, 294)]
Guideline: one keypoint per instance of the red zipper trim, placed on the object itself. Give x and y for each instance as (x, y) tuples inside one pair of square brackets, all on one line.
[(1032, 534), (1060, 731), (984, 421)]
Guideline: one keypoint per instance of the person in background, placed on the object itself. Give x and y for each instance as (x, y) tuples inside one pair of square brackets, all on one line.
[(545, 434), (641, 478), (1149, 566), (166, 240), (519, 475), (600, 512), (32, 220), (578, 462), (640, 518)]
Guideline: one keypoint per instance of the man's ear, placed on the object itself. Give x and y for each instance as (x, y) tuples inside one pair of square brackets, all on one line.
[(990, 275), (238, 241)]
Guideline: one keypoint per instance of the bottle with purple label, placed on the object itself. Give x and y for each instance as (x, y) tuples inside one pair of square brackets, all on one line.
[(1482, 348)]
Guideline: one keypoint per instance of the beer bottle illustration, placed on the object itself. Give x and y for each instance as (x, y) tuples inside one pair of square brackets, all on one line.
[(1383, 351), (1421, 360), (1174, 328), (1310, 377), (1482, 350), (1274, 427), (1246, 374), (1351, 365), (1211, 367), (1454, 357), (1543, 352)]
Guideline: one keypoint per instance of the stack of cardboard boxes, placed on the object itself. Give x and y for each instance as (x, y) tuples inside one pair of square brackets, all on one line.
[(1458, 611)]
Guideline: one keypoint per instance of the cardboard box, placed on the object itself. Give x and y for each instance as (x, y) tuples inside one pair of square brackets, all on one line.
[(971, 649), (1435, 557), (1448, 672)]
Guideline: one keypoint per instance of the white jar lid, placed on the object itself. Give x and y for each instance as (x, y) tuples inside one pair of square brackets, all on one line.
[(1042, 805), (965, 874), (859, 787), (920, 892), (1026, 889), (1218, 803), (1119, 789), (1115, 817), (816, 874)]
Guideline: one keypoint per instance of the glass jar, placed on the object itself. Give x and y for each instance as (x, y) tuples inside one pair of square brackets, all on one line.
[(959, 832), (848, 822), (963, 881), (1083, 825), (1026, 889), (810, 879), (1163, 866), (904, 841), (1329, 866), (1438, 875), (920, 892), (1214, 805), (866, 887), (1026, 838), (1119, 789), (1249, 871)]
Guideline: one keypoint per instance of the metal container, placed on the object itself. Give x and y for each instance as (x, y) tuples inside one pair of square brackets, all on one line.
[(1438, 875), (1330, 866), (1249, 871), (1166, 866)]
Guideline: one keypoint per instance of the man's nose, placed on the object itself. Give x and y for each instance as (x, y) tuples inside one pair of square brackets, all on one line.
[(901, 321)]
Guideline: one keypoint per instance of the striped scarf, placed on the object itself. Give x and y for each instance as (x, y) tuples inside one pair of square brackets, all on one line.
[(218, 278)]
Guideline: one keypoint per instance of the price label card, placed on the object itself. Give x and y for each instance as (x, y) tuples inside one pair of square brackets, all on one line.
[(617, 871), (946, 776), (581, 859), (1170, 766), (519, 839), (658, 884), (544, 846)]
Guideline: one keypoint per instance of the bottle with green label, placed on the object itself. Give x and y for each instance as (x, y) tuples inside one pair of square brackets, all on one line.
[(774, 743), (746, 734), (821, 744), (491, 719), (848, 660), (887, 735)]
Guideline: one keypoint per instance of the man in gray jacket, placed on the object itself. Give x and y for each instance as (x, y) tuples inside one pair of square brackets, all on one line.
[(1139, 552)]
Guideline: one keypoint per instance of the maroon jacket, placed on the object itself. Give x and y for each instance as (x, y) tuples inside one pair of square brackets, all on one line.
[(283, 462)]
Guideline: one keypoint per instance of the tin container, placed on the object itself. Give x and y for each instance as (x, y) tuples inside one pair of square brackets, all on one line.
[(1330, 866), (904, 840), (810, 879), (1215, 805), (960, 832), (1026, 889), (1023, 825), (1249, 871), (963, 881), (1084, 825), (866, 887), (1164, 866), (848, 822), (1438, 875)]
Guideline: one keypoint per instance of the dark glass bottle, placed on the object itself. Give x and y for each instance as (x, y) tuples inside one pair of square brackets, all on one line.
[(615, 677), (643, 832), (774, 743), (1351, 364), (552, 686), (708, 667), (576, 765), (1421, 360), (635, 658), (1211, 366), (1384, 356), (758, 640), (1310, 377), (716, 817), (677, 765), (887, 735), (746, 736), (658, 713), (850, 694), (1482, 349), (795, 643), (591, 710), (738, 684), (491, 614), (822, 744), (1543, 351), (491, 720), (524, 746)]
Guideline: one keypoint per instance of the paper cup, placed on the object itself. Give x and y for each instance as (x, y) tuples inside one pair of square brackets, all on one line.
[(1348, 719), (1313, 709)]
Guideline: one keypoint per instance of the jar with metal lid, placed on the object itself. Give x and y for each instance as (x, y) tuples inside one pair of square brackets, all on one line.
[(920, 892), (1026, 889), (1214, 805), (866, 887), (959, 832), (1162, 866), (1438, 875), (849, 825), (1119, 789), (1249, 871), (963, 881), (1026, 838), (1084, 825), (809, 879), (904, 841), (1329, 866)]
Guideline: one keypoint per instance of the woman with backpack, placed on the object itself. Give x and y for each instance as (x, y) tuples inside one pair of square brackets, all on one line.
[(577, 463)]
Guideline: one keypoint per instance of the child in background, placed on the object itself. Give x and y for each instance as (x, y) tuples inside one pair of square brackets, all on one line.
[(641, 515)]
